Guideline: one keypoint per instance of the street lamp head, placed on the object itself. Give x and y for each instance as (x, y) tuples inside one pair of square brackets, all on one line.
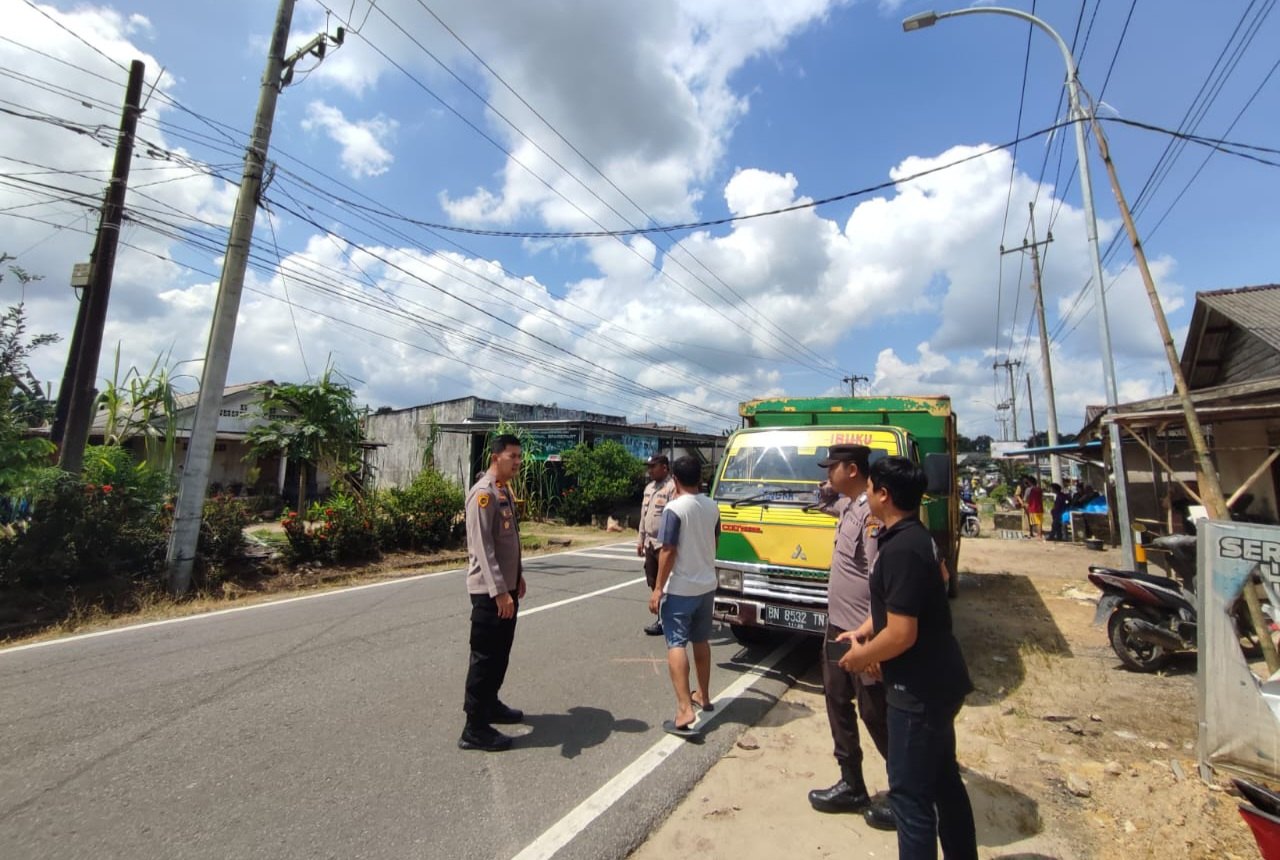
[(920, 21)]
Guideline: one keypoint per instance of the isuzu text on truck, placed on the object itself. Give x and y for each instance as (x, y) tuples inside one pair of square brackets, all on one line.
[(775, 544)]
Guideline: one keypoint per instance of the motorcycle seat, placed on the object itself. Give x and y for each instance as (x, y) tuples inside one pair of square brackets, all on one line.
[(1149, 578)]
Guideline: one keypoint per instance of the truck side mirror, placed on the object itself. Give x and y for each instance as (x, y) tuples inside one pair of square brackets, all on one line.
[(937, 468)]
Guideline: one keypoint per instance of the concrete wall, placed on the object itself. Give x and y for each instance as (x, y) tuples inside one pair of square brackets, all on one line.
[(1240, 447), (404, 435)]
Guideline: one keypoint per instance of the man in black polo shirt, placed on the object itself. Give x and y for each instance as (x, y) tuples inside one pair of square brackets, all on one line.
[(926, 680)]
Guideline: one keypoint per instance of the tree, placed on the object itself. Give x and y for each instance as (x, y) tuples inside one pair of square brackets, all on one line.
[(24, 404), (606, 475), (315, 424)]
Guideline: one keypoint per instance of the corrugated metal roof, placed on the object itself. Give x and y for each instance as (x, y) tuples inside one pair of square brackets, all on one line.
[(1254, 309)]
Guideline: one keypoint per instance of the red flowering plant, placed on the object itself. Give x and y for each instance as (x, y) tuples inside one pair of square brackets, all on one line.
[(304, 543), (347, 527)]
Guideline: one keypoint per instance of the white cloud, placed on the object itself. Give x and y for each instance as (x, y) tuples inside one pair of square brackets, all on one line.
[(648, 95), (363, 153)]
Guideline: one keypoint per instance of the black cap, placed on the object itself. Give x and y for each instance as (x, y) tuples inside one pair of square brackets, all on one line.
[(859, 455)]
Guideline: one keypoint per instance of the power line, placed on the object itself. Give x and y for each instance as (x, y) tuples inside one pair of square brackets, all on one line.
[(603, 232)]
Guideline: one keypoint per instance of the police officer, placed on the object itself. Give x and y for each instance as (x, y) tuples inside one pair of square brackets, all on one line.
[(849, 605), (496, 585), (660, 490)]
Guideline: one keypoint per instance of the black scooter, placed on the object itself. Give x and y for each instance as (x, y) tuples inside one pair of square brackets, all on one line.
[(1149, 617)]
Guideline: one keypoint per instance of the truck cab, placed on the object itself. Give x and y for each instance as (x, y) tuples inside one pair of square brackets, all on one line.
[(775, 542)]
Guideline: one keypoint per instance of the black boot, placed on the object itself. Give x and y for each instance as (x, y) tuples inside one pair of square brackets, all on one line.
[(481, 736), (847, 795)]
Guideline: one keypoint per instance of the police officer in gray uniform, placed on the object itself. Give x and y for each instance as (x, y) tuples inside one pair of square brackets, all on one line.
[(660, 490), (849, 604), (495, 583)]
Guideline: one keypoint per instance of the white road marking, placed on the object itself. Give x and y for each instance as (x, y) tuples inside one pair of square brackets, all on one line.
[(581, 554), (559, 834), (270, 603), (524, 613)]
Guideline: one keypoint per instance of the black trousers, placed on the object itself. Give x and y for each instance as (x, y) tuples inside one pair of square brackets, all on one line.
[(491, 639), (846, 696), (926, 793), (650, 566)]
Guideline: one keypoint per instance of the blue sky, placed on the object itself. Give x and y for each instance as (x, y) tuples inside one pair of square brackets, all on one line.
[(690, 111)]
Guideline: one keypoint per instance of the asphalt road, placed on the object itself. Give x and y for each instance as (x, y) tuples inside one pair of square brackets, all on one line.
[(326, 726)]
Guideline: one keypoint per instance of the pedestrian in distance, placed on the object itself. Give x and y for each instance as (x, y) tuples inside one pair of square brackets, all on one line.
[(495, 583), (660, 490), (1034, 498), (909, 636), (1061, 500), (849, 694), (684, 592)]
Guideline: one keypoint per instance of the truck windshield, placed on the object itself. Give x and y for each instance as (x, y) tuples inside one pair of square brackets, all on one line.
[(776, 473)]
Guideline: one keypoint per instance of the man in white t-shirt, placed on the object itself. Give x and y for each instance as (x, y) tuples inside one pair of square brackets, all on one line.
[(685, 591)]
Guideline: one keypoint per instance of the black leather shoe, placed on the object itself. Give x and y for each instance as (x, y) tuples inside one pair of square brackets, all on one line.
[(504, 715), (654, 629), (484, 738), (840, 797), (880, 816)]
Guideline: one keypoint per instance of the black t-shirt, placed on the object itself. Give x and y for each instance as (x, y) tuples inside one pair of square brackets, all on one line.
[(907, 580)]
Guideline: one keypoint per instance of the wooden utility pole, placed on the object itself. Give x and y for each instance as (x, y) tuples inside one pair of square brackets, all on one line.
[(73, 416), (1209, 485)]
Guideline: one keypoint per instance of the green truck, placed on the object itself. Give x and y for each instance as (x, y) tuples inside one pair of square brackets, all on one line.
[(775, 544)]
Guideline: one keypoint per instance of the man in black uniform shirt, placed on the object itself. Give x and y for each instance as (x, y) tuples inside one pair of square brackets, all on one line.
[(909, 635)]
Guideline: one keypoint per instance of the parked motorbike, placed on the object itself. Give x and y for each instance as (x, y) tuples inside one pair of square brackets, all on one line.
[(1261, 812), (969, 525), (1150, 617)]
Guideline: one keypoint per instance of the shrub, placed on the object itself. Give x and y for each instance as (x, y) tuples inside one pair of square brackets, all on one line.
[(222, 530), (425, 515), (344, 530), (304, 544), (82, 532), (347, 529)]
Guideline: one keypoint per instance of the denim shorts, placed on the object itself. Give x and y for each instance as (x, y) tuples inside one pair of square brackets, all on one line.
[(686, 619)]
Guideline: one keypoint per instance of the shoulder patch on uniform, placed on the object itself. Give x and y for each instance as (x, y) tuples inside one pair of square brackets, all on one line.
[(483, 500)]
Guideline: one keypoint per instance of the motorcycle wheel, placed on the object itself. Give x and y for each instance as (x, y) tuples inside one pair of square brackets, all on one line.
[(1134, 653), (970, 528)]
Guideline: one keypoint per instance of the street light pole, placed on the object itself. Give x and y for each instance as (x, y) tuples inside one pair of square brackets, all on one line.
[(1077, 117)]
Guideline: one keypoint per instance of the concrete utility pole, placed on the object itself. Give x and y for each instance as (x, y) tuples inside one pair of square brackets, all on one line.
[(1011, 365), (73, 416), (853, 383), (1046, 367), (195, 477)]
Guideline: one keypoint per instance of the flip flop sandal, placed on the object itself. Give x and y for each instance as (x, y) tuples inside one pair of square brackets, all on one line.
[(708, 707), (687, 731)]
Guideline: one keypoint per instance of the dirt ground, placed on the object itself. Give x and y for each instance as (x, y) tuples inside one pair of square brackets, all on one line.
[(1066, 755)]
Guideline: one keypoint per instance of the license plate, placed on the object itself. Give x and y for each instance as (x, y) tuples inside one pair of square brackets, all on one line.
[(795, 619)]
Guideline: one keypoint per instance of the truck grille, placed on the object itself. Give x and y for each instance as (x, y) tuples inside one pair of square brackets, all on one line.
[(766, 587)]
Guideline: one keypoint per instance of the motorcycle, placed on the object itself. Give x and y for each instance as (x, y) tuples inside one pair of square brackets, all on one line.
[(969, 525), (1261, 811), (1149, 617)]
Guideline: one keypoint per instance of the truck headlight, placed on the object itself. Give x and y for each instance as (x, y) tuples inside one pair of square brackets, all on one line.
[(729, 580)]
